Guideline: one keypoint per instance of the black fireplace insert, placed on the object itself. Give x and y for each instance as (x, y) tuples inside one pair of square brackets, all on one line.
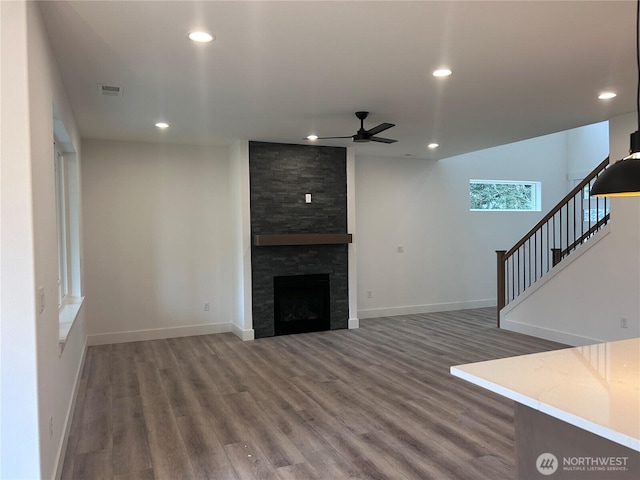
[(301, 303)]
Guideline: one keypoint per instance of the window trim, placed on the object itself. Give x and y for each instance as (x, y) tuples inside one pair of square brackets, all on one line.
[(67, 207), (62, 226)]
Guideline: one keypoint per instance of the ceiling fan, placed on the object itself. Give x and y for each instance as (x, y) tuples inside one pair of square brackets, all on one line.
[(363, 135)]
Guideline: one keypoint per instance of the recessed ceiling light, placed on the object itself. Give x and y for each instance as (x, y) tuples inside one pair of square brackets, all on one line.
[(442, 72), (607, 95), (200, 37), (433, 146), (162, 125), (312, 137)]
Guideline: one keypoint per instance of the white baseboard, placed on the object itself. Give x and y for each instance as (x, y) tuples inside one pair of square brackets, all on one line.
[(354, 323), (243, 335), (69, 416), (430, 308), (158, 333), (548, 333)]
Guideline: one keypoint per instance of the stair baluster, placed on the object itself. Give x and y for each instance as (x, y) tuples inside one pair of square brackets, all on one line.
[(551, 240)]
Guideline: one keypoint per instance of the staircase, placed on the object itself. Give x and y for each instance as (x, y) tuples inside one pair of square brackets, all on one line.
[(573, 221)]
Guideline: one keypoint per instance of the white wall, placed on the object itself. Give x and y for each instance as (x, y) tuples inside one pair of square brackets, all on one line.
[(159, 240), (449, 259), (586, 147), (352, 228), (584, 302), (241, 217), (37, 382), (19, 408)]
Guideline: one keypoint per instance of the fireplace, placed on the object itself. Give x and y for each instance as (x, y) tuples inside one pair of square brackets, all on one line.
[(291, 237), (301, 303)]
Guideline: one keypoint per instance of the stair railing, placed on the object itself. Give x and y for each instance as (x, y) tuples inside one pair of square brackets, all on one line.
[(575, 219)]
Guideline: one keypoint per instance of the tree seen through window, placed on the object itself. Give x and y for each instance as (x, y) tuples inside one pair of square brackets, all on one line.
[(503, 195)]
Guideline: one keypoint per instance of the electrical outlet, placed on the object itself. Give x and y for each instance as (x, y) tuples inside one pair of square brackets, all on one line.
[(41, 301), (624, 323), (207, 307), (50, 427), (369, 294)]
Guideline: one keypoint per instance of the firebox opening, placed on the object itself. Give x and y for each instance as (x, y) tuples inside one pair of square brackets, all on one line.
[(301, 304)]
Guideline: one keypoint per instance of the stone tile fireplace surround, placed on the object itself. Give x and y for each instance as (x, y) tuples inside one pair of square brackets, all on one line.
[(280, 178)]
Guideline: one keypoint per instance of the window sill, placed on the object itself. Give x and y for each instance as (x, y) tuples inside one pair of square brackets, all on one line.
[(67, 317)]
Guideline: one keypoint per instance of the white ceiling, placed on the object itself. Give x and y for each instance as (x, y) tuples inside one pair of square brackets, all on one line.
[(279, 71)]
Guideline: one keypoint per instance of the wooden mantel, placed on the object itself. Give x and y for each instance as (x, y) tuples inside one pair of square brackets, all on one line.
[(302, 239)]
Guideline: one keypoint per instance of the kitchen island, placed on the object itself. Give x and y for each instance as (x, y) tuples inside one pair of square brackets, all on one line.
[(577, 410)]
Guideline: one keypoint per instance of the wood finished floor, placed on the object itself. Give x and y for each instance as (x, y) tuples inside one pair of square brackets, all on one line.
[(377, 402)]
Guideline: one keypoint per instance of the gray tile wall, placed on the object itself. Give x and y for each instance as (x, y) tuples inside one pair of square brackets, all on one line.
[(280, 176)]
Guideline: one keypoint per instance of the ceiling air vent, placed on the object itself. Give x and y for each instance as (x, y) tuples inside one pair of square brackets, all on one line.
[(109, 90)]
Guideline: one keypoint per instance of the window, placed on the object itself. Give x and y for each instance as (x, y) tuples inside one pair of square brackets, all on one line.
[(67, 206), (62, 217), (594, 209), (504, 195)]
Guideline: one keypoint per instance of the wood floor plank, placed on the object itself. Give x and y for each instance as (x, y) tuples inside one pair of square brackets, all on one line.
[(277, 448), (142, 475), (410, 462), (198, 346), (299, 471), (168, 452), (150, 383), (491, 467), (205, 451), (123, 376), (327, 395), (249, 462), (180, 392), (93, 466), (364, 457), (221, 378), (376, 402), (99, 366), (162, 355), (257, 374), (220, 344), (289, 422), (330, 464), (229, 427), (130, 446), (96, 429)]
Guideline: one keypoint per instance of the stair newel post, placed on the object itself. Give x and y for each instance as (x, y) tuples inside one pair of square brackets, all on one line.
[(500, 254)]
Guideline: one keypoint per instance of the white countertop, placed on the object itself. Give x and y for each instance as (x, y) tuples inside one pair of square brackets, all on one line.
[(596, 387)]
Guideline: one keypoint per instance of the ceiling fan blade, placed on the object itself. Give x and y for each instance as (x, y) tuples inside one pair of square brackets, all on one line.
[(380, 128), (382, 140), (329, 138)]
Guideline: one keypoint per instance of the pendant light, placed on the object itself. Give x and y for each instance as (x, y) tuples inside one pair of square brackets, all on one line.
[(622, 179)]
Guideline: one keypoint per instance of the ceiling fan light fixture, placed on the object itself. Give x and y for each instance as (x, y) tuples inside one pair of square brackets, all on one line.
[(363, 135)]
